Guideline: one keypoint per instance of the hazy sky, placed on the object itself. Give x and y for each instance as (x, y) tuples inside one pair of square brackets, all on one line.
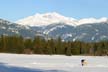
[(16, 9)]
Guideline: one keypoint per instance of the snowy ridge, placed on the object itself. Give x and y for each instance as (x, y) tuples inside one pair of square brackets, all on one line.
[(45, 19), (92, 20), (50, 18)]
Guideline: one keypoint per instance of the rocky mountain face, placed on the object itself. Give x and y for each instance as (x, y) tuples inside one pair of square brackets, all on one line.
[(9, 29), (87, 32)]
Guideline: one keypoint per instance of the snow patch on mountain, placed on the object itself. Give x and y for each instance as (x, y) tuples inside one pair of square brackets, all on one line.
[(93, 38), (103, 37), (3, 27), (52, 29), (67, 35)]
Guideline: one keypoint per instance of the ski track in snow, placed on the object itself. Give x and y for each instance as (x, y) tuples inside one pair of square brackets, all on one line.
[(51, 63)]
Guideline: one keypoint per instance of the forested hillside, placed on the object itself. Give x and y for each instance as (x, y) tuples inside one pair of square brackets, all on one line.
[(38, 45)]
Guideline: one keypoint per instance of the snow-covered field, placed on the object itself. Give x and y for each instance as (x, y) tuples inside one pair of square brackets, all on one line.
[(51, 63)]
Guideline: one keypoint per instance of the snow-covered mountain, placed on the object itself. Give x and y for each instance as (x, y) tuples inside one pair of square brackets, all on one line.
[(91, 32), (50, 18), (9, 29), (46, 19), (54, 25), (87, 32)]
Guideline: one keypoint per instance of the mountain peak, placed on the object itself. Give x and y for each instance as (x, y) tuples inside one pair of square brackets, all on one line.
[(49, 15), (54, 17), (45, 19), (52, 14)]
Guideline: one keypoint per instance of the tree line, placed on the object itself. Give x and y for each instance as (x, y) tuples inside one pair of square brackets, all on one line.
[(38, 45)]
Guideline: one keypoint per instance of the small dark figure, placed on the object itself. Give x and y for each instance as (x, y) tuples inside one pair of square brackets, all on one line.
[(82, 62)]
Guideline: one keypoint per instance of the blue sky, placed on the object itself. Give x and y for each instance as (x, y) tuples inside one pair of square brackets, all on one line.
[(16, 9)]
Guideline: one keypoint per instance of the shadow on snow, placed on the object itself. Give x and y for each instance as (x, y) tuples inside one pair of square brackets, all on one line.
[(5, 68)]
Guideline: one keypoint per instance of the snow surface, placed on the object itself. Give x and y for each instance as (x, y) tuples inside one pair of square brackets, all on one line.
[(53, 17), (66, 35), (52, 29), (51, 63)]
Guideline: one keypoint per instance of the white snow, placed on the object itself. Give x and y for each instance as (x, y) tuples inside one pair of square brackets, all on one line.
[(13, 30), (97, 33), (52, 29), (53, 17), (103, 37), (51, 63), (80, 36), (67, 35), (3, 27), (92, 20), (93, 38), (96, 30), (74, 39), (45, 19)]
